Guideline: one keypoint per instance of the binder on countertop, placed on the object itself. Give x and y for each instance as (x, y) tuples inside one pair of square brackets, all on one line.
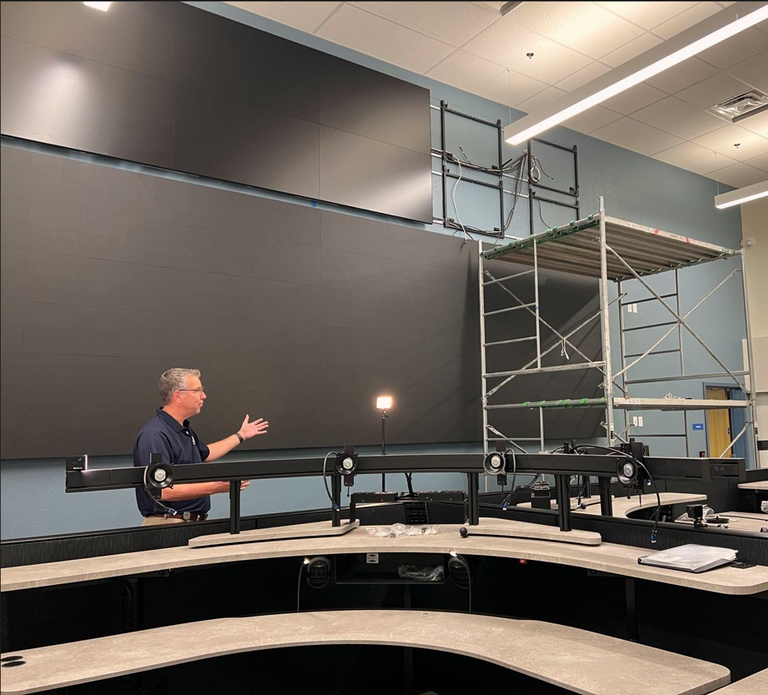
[(690, 558)]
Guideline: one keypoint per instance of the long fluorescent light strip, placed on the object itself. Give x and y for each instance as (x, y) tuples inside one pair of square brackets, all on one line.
[(697, 46), (741, 195), (103, 6)]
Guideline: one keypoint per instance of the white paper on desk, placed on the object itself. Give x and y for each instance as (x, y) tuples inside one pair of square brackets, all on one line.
[(690, 558)]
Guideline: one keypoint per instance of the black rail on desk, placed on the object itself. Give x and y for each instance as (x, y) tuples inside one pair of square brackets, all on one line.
[(562, 466)]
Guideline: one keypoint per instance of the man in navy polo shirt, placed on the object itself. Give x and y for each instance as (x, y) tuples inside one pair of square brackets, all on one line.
[(168, 433)]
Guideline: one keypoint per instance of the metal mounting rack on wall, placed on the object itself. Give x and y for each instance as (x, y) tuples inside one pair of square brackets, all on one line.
[(446, 173), (534, 185)]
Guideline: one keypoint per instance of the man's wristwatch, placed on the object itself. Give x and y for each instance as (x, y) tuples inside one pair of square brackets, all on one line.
[(240, 437)]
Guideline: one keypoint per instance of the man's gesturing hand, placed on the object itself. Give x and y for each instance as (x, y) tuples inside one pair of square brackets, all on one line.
[(253, 429)]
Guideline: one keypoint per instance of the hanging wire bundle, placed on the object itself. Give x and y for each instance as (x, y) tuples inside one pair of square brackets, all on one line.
[(512, 167)]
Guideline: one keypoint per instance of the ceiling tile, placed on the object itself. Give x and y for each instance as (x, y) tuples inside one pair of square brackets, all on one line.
[(679, 118), (693, 158), (723, 140), (591, 119), (450, 22), (301, 15), (383, 39), (637, 97), (508, 43), (580, 78), (738, 175), (713, 90), (636, 136), (682, 75), (465, 70), (760, 162), (744, 45), (510, 88), (540, 100), (757, 123), (582, 26), (647, 14), (630, 50), (693, 15), (753, 71)]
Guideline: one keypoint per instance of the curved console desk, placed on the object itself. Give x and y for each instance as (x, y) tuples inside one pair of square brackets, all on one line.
[(757, 485), (756, 684), (574, 659), (606, 557), (626, 506)]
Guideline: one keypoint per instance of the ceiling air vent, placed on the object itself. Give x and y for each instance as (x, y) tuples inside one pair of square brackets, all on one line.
[(743, 106)]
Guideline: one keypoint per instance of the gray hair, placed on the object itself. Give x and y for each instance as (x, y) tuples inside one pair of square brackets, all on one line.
[(173, 380)]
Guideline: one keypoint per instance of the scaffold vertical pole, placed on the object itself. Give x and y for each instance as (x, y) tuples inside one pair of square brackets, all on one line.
[(483, 387), (622, 335), (606, 320), (538, 332), (752, 391)]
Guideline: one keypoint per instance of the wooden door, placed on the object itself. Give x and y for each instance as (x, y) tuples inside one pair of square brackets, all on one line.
[(718, 423)]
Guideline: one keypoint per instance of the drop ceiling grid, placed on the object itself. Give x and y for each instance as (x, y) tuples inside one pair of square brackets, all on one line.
[(636, 136), (679, 118), (760, 162), (508, 43), (372, 35), (713, 90), (724, 139), (304, 16), (582, 26), (466, 70), (695, 158), (449, 22), (738, 175)]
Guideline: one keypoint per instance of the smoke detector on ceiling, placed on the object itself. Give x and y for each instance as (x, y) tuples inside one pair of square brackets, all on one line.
[(740, 107)]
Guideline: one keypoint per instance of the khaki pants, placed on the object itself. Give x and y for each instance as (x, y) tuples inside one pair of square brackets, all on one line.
[(156, 520)]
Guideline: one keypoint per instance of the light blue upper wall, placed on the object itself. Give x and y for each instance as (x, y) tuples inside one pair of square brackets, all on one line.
[(635, 188)]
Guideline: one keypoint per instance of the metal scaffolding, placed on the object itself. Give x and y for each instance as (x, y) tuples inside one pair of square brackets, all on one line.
[(607, 248)]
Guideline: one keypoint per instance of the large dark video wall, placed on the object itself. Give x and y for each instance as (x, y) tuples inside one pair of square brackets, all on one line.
[(173, 86), (295, 314)]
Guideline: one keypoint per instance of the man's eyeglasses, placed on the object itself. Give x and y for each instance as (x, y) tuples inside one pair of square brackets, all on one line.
[(199, 389)]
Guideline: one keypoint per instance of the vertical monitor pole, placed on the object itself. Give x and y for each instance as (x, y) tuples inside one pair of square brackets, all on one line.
[(383, 448), (234, 507)]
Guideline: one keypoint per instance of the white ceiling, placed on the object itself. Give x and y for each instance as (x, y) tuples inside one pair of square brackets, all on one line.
[(471, 46)]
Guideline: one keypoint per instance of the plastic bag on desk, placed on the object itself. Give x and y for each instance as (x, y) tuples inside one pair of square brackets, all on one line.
[(420, 530), (385, 531), (400, 530), (706, 511), (421, 574)]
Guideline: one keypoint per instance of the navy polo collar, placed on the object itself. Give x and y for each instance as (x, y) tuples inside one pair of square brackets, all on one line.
[(172, 421)]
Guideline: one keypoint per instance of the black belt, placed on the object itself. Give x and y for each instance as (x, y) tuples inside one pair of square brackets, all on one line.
[(184, 516)]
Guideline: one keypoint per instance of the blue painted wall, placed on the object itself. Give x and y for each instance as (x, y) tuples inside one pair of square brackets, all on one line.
[(635, 188)]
